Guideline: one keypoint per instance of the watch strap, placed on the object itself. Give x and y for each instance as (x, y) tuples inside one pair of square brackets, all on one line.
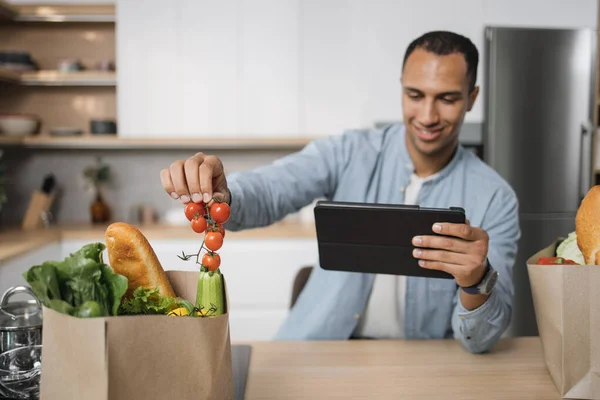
[(475, 289)]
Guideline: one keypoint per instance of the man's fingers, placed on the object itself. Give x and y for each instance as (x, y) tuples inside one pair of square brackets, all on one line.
[(452, 269), (194, 179), (443, 256), (206, 173), (177, 173), (192, 176), (462, 231), (442, 242), (167, 184), (210, 170)]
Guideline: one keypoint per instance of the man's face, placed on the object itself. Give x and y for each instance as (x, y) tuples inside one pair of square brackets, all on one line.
[(435, 99)]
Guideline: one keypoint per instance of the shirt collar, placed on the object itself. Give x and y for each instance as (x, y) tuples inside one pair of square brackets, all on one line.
[(441, 174)]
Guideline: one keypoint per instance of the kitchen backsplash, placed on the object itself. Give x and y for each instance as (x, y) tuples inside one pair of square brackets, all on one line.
[(135, 180), (135, 177)]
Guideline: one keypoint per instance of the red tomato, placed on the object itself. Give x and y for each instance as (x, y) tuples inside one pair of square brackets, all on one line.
[(219, 212), (555, 260), (199, 225), (217, 227), (213, 240), (221, 229), (194, 210), (211, 261)]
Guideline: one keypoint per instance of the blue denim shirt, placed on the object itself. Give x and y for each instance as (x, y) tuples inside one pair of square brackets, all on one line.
[(373, 165)]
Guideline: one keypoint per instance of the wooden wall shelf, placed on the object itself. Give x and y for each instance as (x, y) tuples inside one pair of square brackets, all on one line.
[(108, 142), (9, 76), (57, 78)]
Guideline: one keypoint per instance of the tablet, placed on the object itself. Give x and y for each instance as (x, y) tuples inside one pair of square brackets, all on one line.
[(377, 238)]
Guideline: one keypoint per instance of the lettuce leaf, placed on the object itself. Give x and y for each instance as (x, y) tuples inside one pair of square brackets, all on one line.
[(149, 301), (569, 249), (82, 277)]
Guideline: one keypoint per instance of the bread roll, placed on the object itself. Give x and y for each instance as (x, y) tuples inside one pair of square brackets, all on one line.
[(131, 255), (587, 226)]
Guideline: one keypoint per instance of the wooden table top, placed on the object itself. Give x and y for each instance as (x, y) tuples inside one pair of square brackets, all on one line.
[(438, 369)]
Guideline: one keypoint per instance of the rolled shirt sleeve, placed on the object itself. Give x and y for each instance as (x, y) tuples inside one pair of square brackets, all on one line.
[(266, 194), (480, 329)]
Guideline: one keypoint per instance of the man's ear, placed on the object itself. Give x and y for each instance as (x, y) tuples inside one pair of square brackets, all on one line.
[(473, 97)]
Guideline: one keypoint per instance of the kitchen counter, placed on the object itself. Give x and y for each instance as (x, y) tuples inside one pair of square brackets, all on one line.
[(16, 242), (437, 369)]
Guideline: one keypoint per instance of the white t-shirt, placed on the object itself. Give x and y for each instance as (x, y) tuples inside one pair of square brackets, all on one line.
[(384, 315)]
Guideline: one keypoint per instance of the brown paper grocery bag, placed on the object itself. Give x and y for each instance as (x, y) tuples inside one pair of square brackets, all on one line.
[(138, 357), (567, 307)]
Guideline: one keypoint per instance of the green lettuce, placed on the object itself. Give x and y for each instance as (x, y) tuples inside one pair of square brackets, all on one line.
[(81, 285), (569, 249), (149, 301)]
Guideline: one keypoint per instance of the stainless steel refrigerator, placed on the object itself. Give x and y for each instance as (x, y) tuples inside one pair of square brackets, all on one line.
[(539, 106)]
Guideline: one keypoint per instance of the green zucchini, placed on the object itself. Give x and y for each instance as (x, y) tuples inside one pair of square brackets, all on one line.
[(210, 298)]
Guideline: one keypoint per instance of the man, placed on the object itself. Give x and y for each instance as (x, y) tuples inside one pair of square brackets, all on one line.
[(419, 162)]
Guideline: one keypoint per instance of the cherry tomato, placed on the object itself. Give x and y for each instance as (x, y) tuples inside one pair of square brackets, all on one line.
[(199, 225), (219, 212), (217, 227), (221, 229), (194, 210), (213, 240), (211, 261), (555, 260)]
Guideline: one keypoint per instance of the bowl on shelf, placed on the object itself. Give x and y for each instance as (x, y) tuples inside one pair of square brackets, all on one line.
[(19, 124)]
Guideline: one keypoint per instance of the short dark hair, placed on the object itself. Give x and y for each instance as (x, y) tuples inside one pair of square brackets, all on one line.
[(443, 43)]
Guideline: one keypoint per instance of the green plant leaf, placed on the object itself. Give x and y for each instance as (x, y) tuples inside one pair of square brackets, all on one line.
[(81, 278)]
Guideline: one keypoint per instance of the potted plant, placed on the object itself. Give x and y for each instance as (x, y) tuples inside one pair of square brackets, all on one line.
[(96, 176)]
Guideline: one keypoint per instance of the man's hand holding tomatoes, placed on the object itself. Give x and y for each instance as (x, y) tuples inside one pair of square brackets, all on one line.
[(200, 178), (199, 182), (461, 252)]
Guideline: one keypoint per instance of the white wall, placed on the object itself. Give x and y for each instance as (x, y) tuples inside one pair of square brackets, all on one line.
[(296, 67)]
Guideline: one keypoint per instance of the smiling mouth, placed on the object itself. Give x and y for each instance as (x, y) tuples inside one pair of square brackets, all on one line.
[(428, 135)]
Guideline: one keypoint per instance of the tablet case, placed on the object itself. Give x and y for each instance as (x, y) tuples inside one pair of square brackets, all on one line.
[(377, 238)]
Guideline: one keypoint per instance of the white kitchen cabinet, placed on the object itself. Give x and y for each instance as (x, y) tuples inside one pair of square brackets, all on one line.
[(259, 274), (149, 70), (208, 69), (208, 60), (332, 90), (260, 68), (11, 271), (269, 68), (239, 63)]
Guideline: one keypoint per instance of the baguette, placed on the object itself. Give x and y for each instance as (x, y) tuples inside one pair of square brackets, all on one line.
[(587, 226), (131, 255)]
